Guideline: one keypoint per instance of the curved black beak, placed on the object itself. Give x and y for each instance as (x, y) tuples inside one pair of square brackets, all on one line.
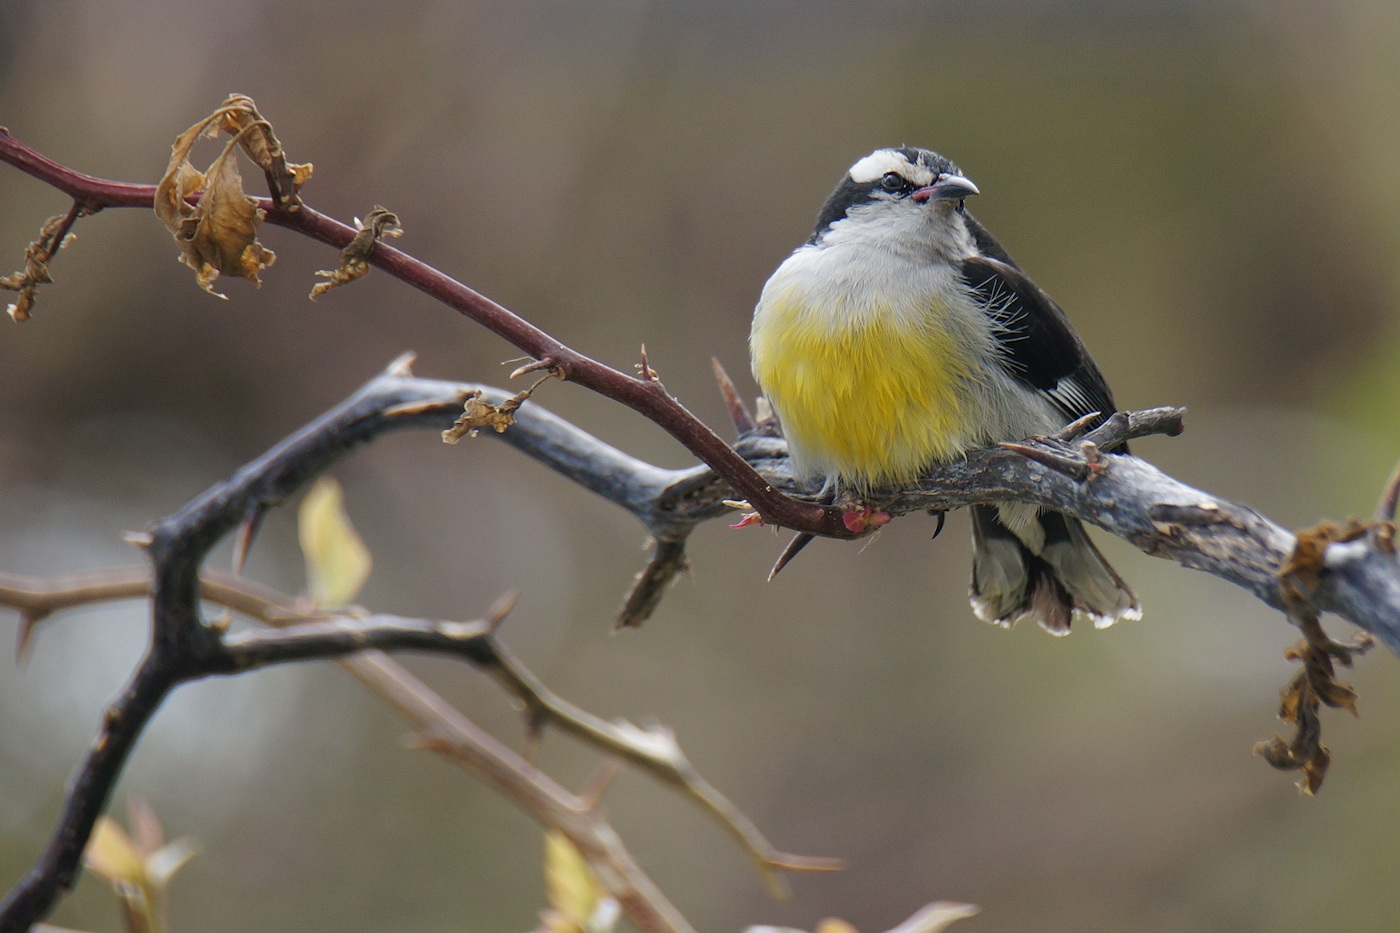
[(945, 187)]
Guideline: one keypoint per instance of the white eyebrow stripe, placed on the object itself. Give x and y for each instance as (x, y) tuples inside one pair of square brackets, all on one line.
[(881, 161)]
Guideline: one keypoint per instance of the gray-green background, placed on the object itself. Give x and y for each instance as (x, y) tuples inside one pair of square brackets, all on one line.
[(1209, 189)]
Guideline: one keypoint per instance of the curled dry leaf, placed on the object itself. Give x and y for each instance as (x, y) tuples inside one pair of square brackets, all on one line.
[(53, 236), (477, 413), (239, 117), (354, 259), (1316, 684), (217, 235)]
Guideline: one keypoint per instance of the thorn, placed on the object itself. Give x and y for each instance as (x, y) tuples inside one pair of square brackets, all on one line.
[(644, 370), (535, 366), (942, 517), (418, 742), (534, 734), (1385, 537), (402, 365), (814, 863), (142, 539), (750, 518), (738, 411), (1060, 464), (413, 409), (598, 785), (247, 531), (1385, 511), (1076, 427), (24, 638), (793, 548), (501, 608)]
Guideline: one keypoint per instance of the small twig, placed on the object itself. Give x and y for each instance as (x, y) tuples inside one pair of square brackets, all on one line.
[(353, 639), (667, 562), (452, 735), (654, 751)]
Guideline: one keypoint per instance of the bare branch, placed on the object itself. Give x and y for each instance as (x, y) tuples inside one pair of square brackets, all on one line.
[(452, 735)]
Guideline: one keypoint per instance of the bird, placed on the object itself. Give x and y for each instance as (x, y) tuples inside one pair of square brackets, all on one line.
[(900, 336)]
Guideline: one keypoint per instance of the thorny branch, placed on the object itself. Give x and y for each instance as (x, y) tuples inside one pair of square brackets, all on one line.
[(1354, 574), (644, 395), (443, 728), (185, 648)]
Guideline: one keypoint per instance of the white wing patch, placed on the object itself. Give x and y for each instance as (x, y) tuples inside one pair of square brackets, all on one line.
[(1070, 396)]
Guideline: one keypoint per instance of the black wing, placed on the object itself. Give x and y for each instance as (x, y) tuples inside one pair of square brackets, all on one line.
[(1040, 346)]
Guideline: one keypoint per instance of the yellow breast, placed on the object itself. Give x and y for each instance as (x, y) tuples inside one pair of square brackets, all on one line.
[(871, 398)]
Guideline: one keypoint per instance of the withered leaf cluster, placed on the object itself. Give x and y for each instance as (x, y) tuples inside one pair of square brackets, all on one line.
[(217, 234), (1315, 685), (53, 236), (354, 259), (477, 413)]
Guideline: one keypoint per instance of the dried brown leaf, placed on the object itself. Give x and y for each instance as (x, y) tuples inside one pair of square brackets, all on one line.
[(53, 236), (1337, 695), (1316, 685), (354, 259), (217, 235), (239, 118), (180, 181), (477, 413), (223, 240)]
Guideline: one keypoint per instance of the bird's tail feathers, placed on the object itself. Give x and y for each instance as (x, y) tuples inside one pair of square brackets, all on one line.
[(1064, 575)]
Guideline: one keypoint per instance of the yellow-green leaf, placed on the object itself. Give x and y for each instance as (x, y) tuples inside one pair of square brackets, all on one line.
[(111, 854), (337, 561), (575, 896)]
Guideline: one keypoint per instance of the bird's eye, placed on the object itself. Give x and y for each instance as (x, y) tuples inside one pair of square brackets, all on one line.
[(892, 181)]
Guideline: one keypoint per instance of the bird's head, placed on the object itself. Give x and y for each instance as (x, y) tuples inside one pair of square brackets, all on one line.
[(904, 195)]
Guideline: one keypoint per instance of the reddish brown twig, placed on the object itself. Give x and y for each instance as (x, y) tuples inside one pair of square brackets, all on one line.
[(647, 397)]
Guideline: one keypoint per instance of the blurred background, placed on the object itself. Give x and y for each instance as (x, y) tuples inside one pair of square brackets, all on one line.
[(1207, 186)]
